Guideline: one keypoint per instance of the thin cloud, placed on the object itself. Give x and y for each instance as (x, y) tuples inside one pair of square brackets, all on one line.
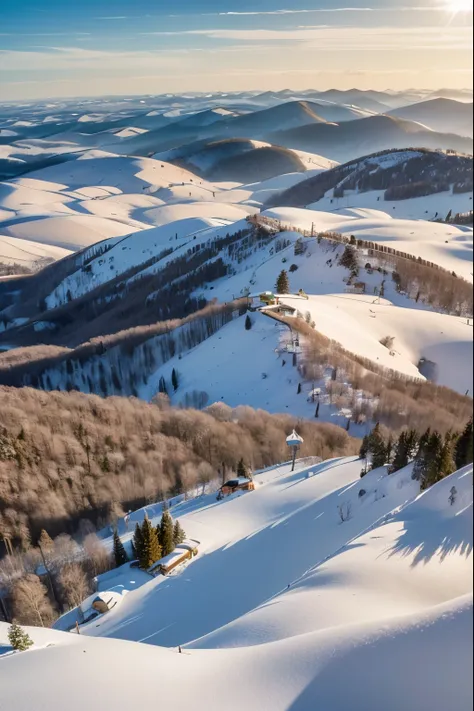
[(326, 9), (291, 12)]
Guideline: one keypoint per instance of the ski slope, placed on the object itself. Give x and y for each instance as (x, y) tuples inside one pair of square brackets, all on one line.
[(312, 612)]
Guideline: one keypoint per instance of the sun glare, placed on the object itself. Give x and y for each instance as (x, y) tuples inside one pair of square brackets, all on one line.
[(459, 6)]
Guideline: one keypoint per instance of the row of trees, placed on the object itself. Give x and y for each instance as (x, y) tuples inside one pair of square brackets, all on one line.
[(150, 544), (435, 456)]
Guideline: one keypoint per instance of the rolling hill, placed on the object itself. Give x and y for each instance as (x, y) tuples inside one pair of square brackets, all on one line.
[(443, 115), (242, 160), (393, 176), (363, 599), (352, 139)]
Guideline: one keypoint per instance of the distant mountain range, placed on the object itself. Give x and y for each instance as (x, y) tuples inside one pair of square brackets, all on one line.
[(352, 139), (444, 115)]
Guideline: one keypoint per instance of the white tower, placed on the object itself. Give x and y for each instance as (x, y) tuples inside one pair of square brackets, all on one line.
[(294, 442)]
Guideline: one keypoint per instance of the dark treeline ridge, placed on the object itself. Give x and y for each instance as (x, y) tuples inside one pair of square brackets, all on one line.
[(70, 457), (117, 364), (435, 170), (139, 296)]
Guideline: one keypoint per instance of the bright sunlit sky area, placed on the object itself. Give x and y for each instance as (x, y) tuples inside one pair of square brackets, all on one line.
[(93, 47)]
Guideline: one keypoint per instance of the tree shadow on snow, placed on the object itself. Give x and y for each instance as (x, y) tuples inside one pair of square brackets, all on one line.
[(442, 538)]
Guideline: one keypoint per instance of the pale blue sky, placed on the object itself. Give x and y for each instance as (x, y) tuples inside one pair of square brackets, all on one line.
[(49, 48)]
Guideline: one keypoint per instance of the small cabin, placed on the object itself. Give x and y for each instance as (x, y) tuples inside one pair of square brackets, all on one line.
[(183, 552), (233, 485), (265, 298), (100, 603)]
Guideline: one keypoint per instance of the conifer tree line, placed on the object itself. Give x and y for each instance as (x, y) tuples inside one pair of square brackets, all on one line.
[(150, 543), (434, 456)]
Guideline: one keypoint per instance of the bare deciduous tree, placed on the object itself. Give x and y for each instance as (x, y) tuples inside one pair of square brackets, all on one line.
[(98, 559), (31, 604), (74, 584), (345, 511)]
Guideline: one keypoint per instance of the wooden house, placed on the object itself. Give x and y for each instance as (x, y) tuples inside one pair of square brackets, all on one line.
[(183, 552), (233, 485)]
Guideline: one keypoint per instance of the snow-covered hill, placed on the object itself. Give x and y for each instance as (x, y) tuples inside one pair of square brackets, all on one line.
[(393, 176), (440, 115), (242, 160), (447, 245), (28, 254), (352, 139), (342, 621)]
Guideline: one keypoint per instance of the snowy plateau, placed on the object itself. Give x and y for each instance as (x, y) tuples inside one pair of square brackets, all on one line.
[(142, 248)]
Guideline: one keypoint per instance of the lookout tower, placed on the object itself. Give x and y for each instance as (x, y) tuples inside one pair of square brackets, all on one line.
[(294, 442)]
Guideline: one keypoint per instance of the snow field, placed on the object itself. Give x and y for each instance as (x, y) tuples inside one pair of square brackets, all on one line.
[(385, 589)]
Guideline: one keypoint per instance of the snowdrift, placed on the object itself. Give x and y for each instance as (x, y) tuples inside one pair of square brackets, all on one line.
[(393, 589)]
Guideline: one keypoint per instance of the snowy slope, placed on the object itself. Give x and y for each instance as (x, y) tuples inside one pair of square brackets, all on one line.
[(358, 324), (448, 245), (29, 254), (68, 232), (428, 207), (348, 633)]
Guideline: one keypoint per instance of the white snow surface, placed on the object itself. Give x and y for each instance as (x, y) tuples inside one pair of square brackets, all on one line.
[(312, 612), (28, 254), (447, 245)]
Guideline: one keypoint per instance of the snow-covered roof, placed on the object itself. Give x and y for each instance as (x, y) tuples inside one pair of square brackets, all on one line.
[(188, 545), (238, 481), (294, 440), (179, 552), (109, 597), (173, 557)]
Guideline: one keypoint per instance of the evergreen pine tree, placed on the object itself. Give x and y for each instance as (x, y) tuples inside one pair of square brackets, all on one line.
[(400, 459), (434, 457), (364, 447), (151, 549), (446, 465), (377, 448), (464, 453), (178, 534), (162, 386), (299, 388), (405, 450), (119, 551), (242, 470), (420, 460), (349, 260), (248, 323), (389, 450), (166, 531), (174, 380), (18, 638), (282, 285), (138, 542)]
